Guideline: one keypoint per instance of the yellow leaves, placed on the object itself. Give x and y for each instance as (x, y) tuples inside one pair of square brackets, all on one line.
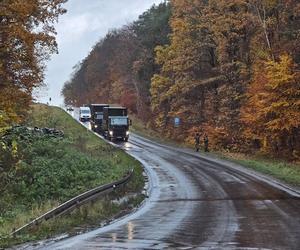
[(270, 3), (3, 145), (13, 105), (158, 89), (14, 148), (179, 25), (175, 90), (280, 73), (162, 54), (273, 107), (160, 120), (159, 84), (222, 38)]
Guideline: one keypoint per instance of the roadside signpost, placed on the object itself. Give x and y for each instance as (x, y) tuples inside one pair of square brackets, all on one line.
[(176, 122)]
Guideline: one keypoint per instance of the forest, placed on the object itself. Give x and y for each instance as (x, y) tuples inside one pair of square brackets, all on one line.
[(228, 68)]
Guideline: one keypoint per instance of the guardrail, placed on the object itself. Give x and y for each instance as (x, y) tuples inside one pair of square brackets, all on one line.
[(77, 201)]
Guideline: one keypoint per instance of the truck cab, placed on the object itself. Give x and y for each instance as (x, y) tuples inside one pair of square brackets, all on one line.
[(116, 123), (97, 116), (84, 114)]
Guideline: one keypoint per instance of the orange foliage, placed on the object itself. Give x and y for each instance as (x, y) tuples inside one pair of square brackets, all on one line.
[(272, 112), (27, 39)]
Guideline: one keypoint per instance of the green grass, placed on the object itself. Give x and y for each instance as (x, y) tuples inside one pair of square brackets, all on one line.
[(282, 170), (46, 171), (87, 217)]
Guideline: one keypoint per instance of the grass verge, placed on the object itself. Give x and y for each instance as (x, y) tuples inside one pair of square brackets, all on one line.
[(40, 172), (279, 169)]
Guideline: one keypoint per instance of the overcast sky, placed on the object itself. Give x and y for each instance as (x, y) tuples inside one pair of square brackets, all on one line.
[(85, 23)]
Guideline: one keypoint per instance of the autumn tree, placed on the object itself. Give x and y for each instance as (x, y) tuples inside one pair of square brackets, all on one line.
[(273, 93), (272, 112), (278, 28), (178, 90), (27, 38), (206, 65), (234, 26), (105, 76)]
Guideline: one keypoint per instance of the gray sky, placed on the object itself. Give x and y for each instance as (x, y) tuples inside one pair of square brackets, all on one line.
[(85, 23)]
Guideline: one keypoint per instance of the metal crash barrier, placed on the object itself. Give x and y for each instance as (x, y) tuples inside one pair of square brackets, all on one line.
[(77, 201)]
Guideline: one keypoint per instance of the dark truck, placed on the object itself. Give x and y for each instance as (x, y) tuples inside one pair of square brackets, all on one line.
[(116, 123), (97, 116)]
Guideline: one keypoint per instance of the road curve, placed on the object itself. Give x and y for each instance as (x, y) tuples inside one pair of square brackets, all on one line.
[(202, 203)]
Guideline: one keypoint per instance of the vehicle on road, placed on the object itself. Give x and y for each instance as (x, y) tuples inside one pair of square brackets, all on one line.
[(116, 123), (70, 108), (97, 116), (84, 114)]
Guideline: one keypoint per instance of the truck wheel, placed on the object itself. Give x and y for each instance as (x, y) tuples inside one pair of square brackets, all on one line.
[(126, 139)]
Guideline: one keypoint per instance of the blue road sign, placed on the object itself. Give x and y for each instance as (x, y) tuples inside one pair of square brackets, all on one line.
[(176, 122)]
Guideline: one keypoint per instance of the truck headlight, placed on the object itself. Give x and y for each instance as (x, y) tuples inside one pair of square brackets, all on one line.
[(127, 132), (111, 133), (96, 126)]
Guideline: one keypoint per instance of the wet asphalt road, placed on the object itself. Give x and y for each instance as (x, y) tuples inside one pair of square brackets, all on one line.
[(198, 203)]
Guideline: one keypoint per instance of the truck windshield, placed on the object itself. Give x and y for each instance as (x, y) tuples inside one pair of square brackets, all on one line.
[(84, 111), (119, 121)]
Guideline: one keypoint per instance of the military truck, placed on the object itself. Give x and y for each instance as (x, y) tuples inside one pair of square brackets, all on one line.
[(97, 116), (116, 123)]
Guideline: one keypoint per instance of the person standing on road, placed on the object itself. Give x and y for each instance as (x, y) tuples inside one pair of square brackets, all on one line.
[(197, 142), (205, 140)]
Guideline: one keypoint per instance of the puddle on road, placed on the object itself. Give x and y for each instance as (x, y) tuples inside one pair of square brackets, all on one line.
[(127, 146)]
